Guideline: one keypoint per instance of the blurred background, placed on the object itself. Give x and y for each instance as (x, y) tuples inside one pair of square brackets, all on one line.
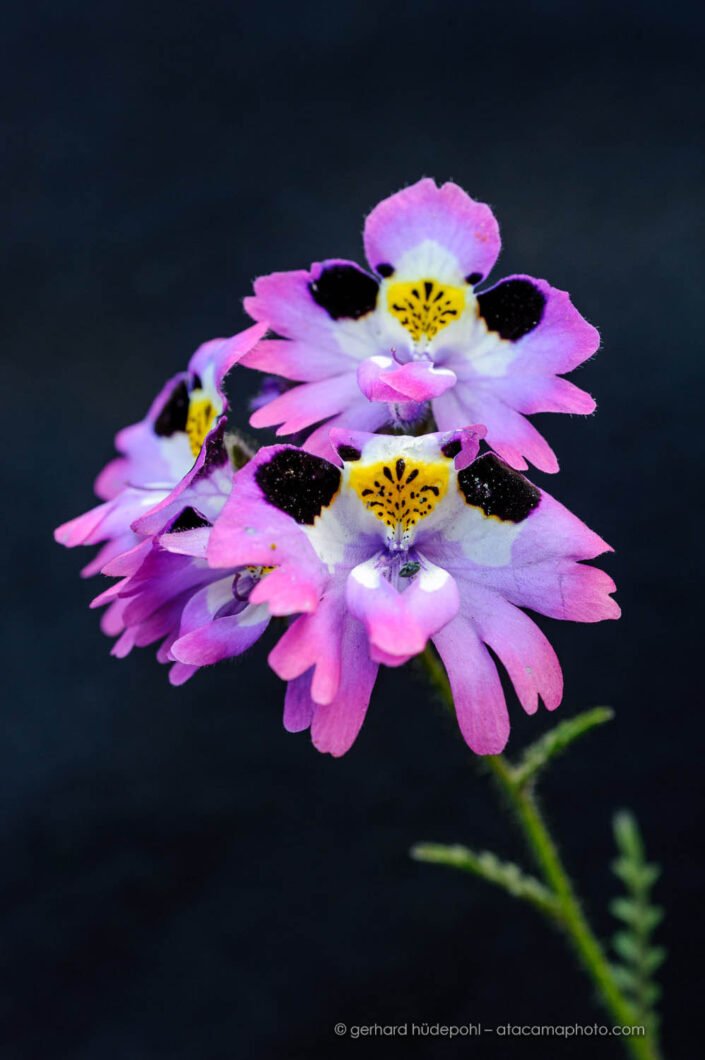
[(179, 878)]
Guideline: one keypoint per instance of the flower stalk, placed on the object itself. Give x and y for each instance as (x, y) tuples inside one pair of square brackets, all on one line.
[(557, 898)]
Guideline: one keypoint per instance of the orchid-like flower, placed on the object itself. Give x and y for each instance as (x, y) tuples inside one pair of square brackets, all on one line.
[(166, 590), (416, 335), (157, 452), (414, 539), (161, 497)]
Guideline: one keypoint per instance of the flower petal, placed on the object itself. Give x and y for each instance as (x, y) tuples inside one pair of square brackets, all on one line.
[(508, 432), (313, 640), (221, 638), (298, 705), (335, 725), (477, 691), (534, 326), (399, 623), (525, 652), (382, 379), (328, 319), (445, 216), (307, 404), (220, 355)]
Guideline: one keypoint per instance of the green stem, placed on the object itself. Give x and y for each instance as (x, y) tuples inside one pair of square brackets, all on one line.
[(569, 913)]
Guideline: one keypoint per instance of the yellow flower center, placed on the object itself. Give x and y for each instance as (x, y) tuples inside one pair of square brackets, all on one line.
[(400, 492), (201, 414), (424, 307)]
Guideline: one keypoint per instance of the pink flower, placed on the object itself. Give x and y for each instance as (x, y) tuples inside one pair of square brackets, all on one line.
[(161, 498), (372, 349), (167, 592), (157, 452), (415, 539)]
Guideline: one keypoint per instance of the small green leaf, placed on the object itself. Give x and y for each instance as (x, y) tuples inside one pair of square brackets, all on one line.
[(556, 740), (625, 909), (651, 994), (639, 958), (654, 958), (652, 917), (625, 978), (503, 874), (626, 834), (627, 946), (628, 871)]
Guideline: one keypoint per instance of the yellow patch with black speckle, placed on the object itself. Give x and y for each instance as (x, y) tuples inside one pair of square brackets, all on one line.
[(400, 492), (425, 307), (201, 414)]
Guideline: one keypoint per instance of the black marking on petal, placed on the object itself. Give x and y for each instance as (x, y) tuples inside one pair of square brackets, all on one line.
[(189, 519), (196, 382), (473, 278), (348, 453), (298, 483), (174, 413), (345, 292), (384, 270), (216, 452), (451, 449), (513, 308), (497, 489), (400, 468)]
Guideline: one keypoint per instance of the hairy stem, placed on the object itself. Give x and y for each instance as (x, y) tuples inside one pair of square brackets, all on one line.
[(568, 914)]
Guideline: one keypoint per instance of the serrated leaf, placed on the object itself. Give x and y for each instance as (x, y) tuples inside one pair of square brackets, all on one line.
[(625, 909), (639, 958), (626, 946), (625, 978), (627, 835), (653, 958), (648, 875), (651, 994), (652, 917), (505, 874), (556, 740), (628, 871)]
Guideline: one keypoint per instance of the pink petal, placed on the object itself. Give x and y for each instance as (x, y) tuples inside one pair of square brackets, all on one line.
[(335, 725), (446, 215), (382, 379), (399, 624), (477, 690)]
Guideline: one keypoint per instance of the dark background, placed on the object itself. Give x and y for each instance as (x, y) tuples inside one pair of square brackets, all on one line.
[(182, 880)]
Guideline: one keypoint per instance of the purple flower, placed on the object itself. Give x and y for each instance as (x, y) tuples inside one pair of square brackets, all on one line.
[(167, 592), (414, 539), (157, 452), (161, 498), (371, 350)]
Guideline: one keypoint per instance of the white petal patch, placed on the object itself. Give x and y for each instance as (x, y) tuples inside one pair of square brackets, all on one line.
[(432, 578), (253, 615), (428, 258), (483, 539), (219, 593), (367, 574), (177, 455)]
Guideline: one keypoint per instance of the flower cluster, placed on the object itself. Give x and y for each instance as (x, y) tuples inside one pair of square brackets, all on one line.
[(401, 519)]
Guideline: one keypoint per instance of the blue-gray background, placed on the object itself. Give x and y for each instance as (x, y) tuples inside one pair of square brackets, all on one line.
[(180, 879)]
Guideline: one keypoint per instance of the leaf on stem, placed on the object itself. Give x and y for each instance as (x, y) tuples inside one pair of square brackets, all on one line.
[(504, 874), (537, 755), (638, 957)]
